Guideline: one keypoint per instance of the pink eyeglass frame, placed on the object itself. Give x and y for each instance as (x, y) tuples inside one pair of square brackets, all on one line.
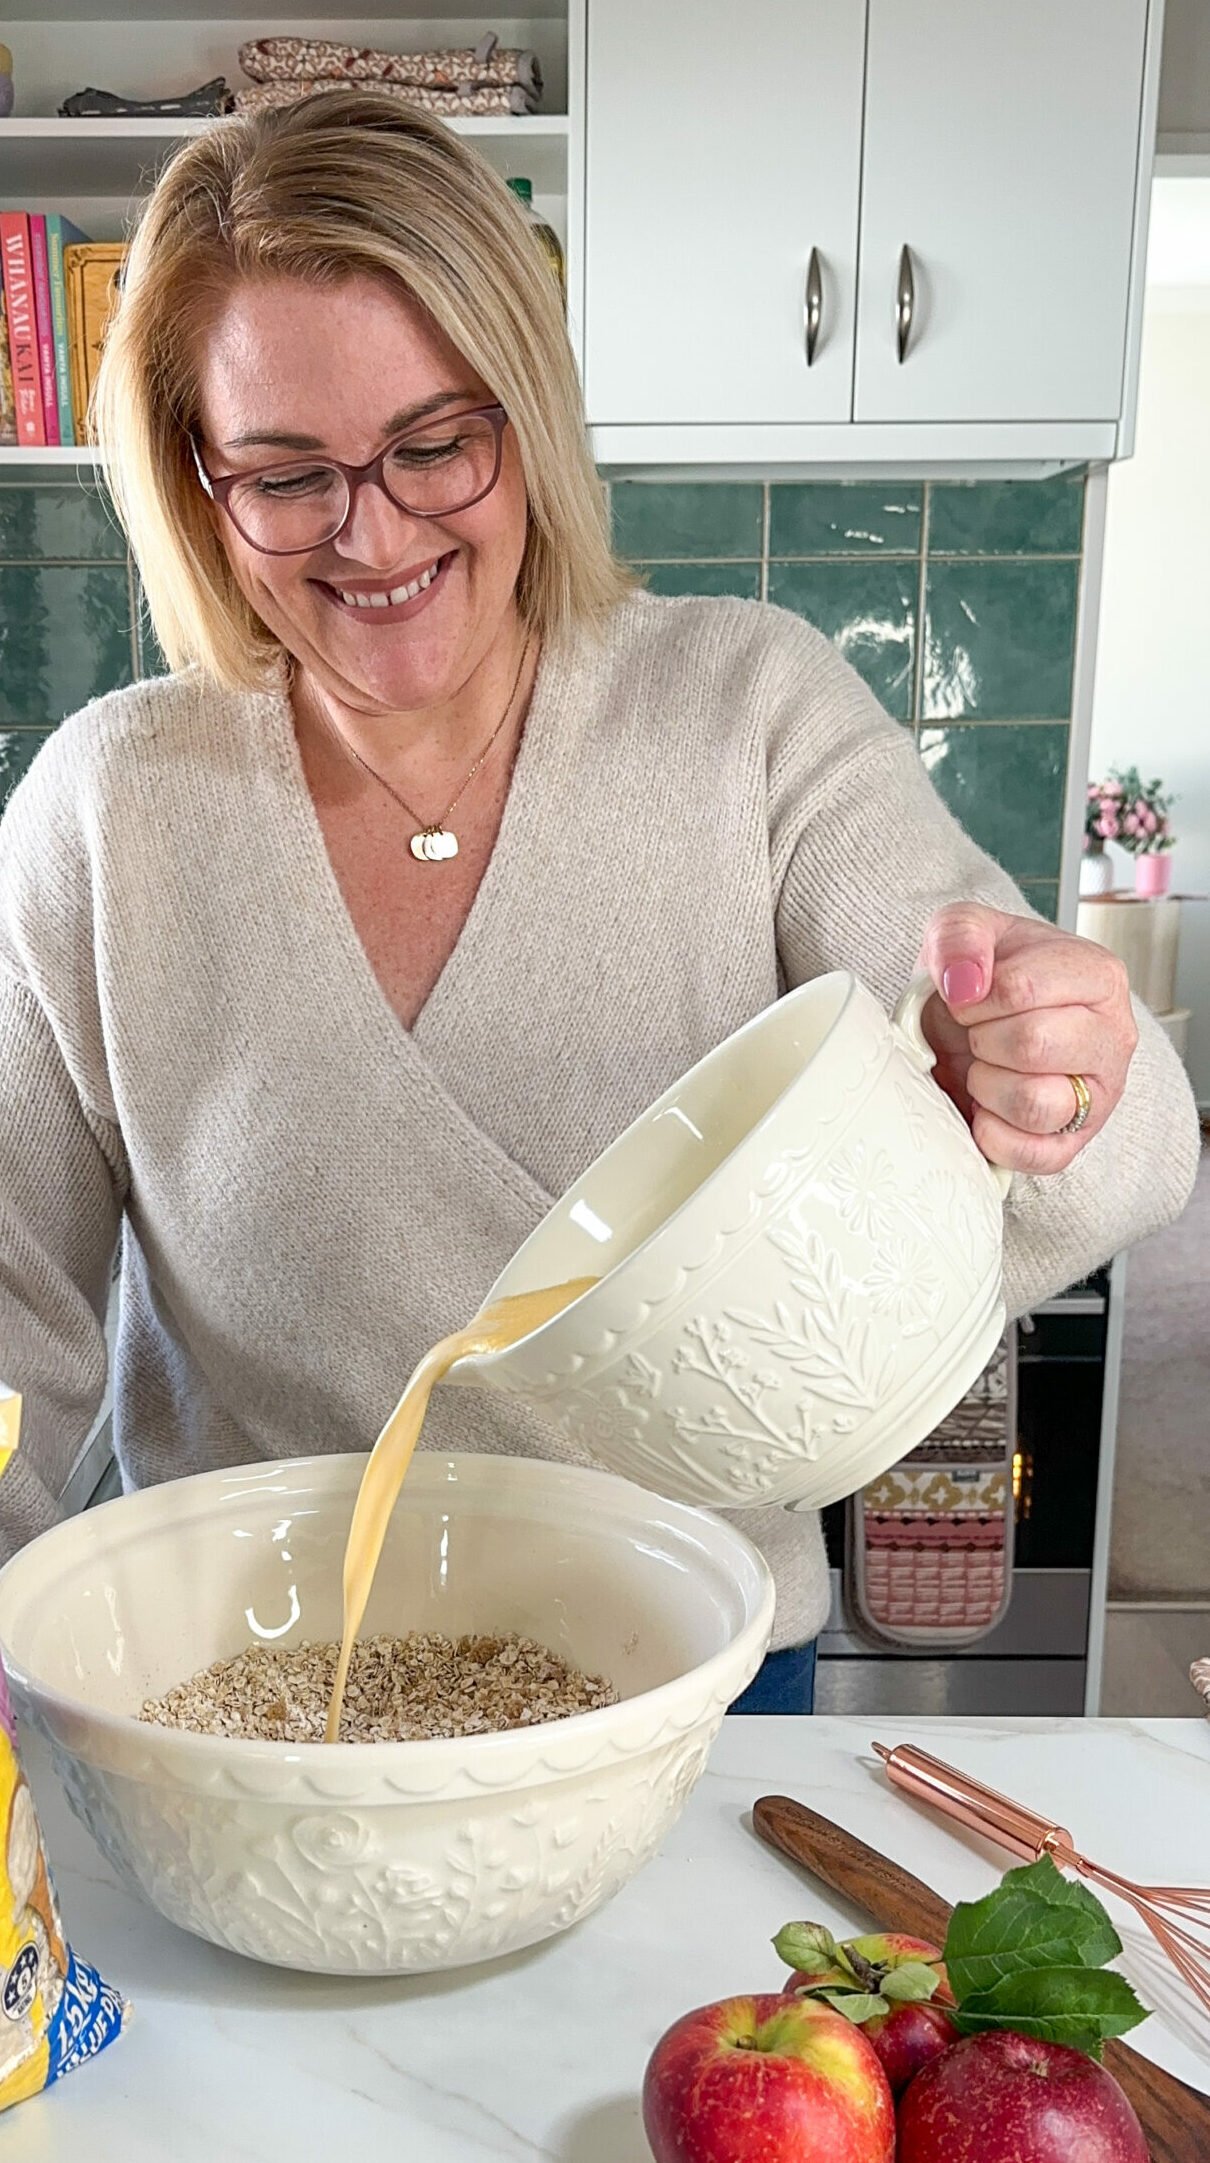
[(218, 486)]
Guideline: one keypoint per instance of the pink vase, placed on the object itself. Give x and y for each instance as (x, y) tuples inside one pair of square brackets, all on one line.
[(1153, 873)]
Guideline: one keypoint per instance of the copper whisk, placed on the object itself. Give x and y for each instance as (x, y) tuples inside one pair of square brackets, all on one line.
[(1178, 1916)]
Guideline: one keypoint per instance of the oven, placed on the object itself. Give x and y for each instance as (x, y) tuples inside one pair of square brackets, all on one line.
[(1043, 1656)]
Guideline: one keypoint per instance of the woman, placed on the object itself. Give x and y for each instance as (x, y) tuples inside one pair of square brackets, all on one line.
[(329, 960)]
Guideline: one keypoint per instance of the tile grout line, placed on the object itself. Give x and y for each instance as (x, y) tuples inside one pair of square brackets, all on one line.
[(134, 603), (831, 555), (926, 498), (1004, 555), (994, 721)]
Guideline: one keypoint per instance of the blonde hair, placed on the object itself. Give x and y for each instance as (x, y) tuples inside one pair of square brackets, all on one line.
[(350, 182)]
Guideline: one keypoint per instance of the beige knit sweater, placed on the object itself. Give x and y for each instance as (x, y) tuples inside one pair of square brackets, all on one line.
[(196, 1058)]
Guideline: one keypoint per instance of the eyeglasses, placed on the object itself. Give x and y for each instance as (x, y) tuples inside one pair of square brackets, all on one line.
[(433, 470)]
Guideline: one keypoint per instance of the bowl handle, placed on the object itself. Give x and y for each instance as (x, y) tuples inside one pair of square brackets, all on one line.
[(908, 1019)]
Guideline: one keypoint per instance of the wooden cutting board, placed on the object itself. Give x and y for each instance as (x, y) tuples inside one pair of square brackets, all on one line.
[(1174, 2117)]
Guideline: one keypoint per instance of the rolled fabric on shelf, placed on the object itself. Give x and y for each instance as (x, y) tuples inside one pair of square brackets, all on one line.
[(443, 103), (483, 67)]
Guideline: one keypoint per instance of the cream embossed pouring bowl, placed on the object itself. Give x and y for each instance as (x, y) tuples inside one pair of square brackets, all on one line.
[(800, 1253), (383, 1858)]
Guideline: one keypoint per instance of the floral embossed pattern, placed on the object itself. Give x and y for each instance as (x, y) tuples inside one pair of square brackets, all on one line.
[(837, 1306), (393, 1889)]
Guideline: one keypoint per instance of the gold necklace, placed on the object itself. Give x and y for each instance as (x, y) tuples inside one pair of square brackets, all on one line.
[(433, 844)]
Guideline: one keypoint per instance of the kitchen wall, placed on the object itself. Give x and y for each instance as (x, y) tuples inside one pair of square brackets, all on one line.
[(1184, 114), (1151, 704), (956, 602)]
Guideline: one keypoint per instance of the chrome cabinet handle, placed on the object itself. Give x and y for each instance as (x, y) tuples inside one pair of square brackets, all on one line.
[(905, 301), (812, 306)]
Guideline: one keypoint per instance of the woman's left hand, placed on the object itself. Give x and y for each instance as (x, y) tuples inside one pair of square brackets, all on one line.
[(1019, 1008)]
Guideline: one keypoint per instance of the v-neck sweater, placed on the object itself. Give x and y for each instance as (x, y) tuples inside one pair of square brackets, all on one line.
[(199, 1067)]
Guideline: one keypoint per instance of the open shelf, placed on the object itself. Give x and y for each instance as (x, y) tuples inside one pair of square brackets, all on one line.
[(54, 159), (15, 455), (96, 170), (258, 18)]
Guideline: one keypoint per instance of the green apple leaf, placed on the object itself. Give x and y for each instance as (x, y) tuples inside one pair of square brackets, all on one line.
[(1034, 1919), (809, 1946), (1082, 2007), (1099, 1940), (910, 1983), (856, 2005)]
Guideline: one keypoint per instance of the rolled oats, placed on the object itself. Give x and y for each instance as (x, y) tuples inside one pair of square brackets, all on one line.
[(401, 1689)]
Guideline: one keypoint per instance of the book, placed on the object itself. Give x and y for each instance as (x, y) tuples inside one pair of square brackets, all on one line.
[(60, 234), (92, 274), (8, 410), (43, 325), (22, 336)]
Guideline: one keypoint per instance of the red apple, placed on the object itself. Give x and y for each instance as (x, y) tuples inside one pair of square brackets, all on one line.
[(767, 2080), (999, 2097), (908, 2038)]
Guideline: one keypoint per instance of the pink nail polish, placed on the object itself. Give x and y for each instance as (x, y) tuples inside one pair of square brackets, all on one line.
[(962, 983)]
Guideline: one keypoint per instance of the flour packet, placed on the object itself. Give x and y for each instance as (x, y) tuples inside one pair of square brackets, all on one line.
[(55, 2011)]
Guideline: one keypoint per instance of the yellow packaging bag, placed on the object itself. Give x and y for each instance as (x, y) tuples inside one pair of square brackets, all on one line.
[(55, 2011), (10, 1424)]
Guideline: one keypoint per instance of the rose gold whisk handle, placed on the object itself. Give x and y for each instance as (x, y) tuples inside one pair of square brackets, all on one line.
[(980, 1808)]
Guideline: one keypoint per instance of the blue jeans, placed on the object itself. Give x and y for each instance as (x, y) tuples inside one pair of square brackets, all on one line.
[(784, 1683)]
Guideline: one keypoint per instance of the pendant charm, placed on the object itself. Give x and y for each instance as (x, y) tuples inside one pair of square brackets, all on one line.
[(433, 845)]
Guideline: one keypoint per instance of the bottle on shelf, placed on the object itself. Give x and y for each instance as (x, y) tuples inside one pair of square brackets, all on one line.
[(544, 234)]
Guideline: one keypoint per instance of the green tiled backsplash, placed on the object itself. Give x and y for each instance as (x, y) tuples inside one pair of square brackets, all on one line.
[(956, 601), (67, 608)]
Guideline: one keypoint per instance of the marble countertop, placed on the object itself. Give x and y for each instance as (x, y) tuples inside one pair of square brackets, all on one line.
[(541, 2056)]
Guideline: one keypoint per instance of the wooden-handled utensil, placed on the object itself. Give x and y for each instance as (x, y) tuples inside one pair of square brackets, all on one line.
[(1174, 2117)]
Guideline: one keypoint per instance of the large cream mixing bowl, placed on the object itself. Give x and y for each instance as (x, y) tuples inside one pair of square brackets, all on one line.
[(383, 1858), (799, 1249)]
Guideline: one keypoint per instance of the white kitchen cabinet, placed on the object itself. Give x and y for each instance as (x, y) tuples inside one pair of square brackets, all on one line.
[(721, 192), (974, 177), (699, 161), (1001, 147)]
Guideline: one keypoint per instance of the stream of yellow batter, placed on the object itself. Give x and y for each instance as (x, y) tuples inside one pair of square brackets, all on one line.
[(497, 1327)]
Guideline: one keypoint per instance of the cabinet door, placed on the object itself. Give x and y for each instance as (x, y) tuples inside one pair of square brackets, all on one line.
[(1001, 147), (723, 145)]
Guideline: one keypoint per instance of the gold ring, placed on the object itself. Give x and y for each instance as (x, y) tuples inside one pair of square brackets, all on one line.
[(1083, 1105)]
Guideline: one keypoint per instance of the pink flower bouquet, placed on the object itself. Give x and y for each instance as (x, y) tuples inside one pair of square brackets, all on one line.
[(1130, 811)]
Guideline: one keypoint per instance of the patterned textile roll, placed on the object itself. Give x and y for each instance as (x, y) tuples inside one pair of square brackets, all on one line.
[(445, 103), (1199, 1675), (292, 60)]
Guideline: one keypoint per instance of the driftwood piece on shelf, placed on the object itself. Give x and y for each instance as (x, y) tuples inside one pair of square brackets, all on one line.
[(208, 98)]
